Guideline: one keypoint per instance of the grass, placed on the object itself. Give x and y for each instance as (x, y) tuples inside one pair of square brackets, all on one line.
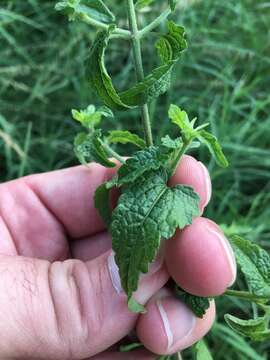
[(223, 79)]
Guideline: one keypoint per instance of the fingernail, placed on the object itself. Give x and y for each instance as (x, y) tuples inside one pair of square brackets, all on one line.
[(227, 249), (178, 321), (207, 184), (114, 273)]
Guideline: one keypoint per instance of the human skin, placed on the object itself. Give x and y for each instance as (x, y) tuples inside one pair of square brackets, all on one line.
[(60, 296)]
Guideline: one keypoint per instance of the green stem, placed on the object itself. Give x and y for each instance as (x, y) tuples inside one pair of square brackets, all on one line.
[(112, 153), (179, 156), (246, 295), (122, 33), (137, 53), (154, 23)]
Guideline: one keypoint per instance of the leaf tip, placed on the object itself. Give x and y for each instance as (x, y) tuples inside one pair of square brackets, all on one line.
[(136, 307)]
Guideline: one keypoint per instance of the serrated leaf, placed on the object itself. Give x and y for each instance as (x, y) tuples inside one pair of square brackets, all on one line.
[(88, 147), (170, 143), (214, 147), (153, 85), (102, 203), (255, 329), (99, 77), (180, 118), (171, 45), (124, 137), (142, 161), (201, 351), (197, 304), (147, 211), (90, 117), (254, 262), (77, 9)]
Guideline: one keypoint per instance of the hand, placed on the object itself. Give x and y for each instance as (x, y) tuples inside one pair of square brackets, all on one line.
[(60, 294)]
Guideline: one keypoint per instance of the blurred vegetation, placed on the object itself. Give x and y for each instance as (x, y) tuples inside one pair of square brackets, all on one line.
[(223, 78)]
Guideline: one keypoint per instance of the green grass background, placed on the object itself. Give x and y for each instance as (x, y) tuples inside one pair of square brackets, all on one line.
[(223, 78)]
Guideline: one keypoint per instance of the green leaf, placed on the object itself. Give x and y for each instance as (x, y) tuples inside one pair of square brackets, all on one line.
[(147, 211), (201, 351), (142, 161), (180, 118), (197, 304), (88, 147), (214, 147), (176, 144), (254, 262), (171, 45), (79, 9), (102, 203), (124, 137), (153, 85), (170, 143), (255, 329), (99, 77), (135, 307), (90, 117)]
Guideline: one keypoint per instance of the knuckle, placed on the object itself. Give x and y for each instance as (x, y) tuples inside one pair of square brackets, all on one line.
[(77, 301)]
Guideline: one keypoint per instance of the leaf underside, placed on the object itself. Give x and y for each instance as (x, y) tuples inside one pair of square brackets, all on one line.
[(197, 304), (255, 329), (254, 262)]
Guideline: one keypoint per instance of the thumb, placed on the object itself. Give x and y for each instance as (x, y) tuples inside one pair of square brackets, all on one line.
[(65, 310)]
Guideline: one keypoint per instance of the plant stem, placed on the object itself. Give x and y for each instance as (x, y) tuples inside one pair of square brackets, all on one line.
[(137, 53), (246, 295), (112, 153), (121, 33), (154, 23)]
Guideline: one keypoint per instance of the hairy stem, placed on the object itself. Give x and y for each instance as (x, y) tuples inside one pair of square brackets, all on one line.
[(246, 295), (137, 53), (154, 23)]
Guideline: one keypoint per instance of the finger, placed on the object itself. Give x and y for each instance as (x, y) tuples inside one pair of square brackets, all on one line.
[(169, 326), (69, 194), (27, 227), (200, 259), (65, 310), (91, 247), (193, 173)]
